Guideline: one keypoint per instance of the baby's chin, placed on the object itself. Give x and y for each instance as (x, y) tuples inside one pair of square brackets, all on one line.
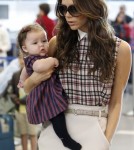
[(43, 54)]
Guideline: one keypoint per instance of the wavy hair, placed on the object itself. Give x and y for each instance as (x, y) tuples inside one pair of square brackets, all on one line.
[(100, 34)]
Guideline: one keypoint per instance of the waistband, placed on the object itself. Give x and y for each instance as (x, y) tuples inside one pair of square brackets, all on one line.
[(87, 110)]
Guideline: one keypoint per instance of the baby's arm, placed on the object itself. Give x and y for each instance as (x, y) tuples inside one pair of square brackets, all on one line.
[(42, 65), (23, 77)]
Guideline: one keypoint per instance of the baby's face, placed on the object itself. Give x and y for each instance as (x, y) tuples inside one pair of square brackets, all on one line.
[(36, 43)]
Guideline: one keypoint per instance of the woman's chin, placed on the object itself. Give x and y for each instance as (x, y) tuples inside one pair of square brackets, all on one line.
[(74, 28)]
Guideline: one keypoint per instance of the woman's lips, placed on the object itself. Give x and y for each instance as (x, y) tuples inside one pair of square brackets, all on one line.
[(71, 23)]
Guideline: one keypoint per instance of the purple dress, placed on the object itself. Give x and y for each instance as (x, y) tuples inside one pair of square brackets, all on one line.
[(46, 100)]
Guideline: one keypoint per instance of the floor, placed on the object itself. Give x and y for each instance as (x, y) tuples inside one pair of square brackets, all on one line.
[(124, 137)]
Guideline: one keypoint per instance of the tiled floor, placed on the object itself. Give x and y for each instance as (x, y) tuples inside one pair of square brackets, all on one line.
[(124, 137)]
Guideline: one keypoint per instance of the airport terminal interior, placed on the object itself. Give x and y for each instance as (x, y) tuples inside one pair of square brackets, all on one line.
[(14, 15)]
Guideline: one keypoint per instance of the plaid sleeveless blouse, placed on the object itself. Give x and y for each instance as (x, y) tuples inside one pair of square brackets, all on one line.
[(82, 88)]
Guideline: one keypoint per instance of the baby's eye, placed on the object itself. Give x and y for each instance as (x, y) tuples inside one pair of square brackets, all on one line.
[(44, 41), (35, 43)]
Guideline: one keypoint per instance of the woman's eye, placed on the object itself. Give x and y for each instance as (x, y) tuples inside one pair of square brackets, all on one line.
[(44, 41), (35, 43)]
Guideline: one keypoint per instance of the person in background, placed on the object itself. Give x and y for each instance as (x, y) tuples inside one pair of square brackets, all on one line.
[(122, 29), (5, 43), (7, 73), (131, 25), (127, 19), (18, 97), (43, 19)]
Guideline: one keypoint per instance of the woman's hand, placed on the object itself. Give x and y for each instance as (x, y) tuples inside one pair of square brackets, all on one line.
[(36, 78)]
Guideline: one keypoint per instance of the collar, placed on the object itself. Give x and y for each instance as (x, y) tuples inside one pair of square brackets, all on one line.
[(81, 34)]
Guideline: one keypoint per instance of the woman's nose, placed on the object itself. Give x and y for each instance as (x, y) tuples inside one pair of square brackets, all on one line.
[(68, 14)]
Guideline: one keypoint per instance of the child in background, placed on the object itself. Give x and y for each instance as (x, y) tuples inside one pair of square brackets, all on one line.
[(26, 130), (48, 100)]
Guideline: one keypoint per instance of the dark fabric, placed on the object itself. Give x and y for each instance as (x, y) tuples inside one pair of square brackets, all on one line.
[(122, 31), (59, 126), (46, 100), (119, 30), (14, 82), (128, 19)]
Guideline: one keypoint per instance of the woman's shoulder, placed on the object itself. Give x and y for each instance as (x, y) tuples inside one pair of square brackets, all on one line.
[(124, 51), (52, 46)]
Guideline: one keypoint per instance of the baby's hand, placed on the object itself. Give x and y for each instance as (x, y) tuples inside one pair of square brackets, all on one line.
[(20, 84), (56, 62)]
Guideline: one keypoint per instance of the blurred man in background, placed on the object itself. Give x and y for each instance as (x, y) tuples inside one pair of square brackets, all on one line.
[(43, 19)]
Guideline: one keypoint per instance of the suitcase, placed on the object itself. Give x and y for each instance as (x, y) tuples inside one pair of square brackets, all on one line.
[(6, 132)]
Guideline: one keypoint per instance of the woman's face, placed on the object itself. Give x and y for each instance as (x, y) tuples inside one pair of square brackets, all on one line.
[(75, 23)]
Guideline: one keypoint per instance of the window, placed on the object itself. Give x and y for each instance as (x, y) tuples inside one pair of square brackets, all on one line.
[(3, 11)]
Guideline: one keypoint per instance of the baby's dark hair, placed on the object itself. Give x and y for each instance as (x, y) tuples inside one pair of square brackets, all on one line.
[(23, 34)]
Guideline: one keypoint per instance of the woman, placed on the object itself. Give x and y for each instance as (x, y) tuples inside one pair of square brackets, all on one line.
[(121, 28), (92, 71)]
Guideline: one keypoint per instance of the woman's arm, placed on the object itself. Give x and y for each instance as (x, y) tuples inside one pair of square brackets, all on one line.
[(42, 65), (36, 78), (121, 77), (23, 77)]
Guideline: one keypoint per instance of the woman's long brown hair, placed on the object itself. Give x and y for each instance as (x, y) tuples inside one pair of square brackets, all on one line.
[(100, 34)]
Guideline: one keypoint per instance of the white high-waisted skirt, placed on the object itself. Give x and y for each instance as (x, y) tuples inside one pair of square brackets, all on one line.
[(87, 130)]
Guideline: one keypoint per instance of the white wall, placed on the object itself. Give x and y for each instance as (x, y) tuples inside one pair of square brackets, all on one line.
[(113, 7), (23, 12)]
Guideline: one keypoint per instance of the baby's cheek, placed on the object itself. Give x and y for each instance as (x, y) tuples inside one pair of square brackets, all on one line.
[(47, 47)]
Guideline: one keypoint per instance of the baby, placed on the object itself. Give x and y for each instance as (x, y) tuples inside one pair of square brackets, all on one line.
[(48, 100)]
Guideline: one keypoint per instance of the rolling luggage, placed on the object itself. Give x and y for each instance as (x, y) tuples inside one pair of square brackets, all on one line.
[(6, 132)]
